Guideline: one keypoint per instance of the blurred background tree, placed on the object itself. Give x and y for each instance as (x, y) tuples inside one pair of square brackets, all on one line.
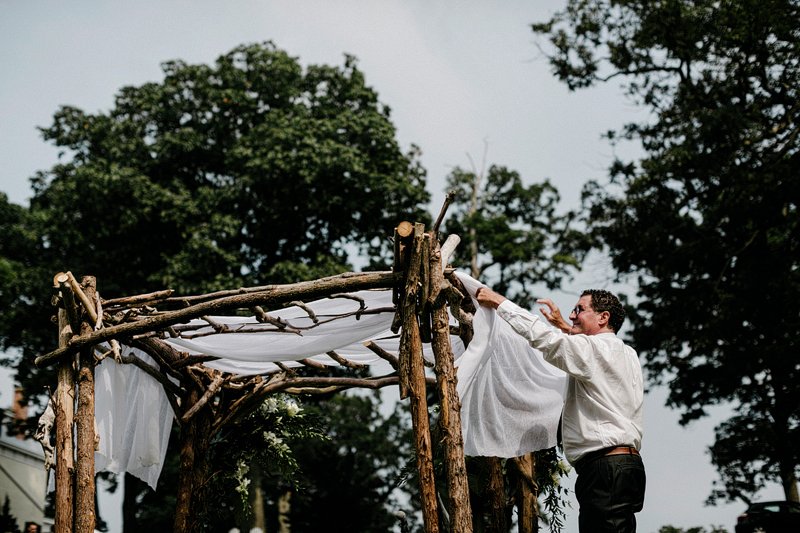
[(247, 172), (706, 222), (513, 235)]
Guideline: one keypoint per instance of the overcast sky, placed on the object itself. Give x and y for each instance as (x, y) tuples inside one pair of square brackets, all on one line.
[(458, 76)]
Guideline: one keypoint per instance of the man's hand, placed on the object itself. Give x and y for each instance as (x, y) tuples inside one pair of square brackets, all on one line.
[(553, 315), (487, 297)]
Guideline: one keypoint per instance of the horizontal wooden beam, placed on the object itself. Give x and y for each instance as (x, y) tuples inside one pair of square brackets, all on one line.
[(270, 295)]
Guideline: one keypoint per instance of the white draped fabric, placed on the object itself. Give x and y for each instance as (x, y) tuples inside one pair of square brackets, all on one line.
[(511, 399), (133, 418)]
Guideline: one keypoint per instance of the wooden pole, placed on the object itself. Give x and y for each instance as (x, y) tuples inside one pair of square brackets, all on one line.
[(188, 436), (526, 495), (450, 412), (411, 354), (496, 494), (84, 421), (64, 410)]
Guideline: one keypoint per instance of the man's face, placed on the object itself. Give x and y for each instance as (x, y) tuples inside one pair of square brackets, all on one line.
[(585, 319)]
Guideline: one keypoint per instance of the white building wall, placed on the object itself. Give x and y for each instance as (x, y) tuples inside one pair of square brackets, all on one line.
[(24, 479)]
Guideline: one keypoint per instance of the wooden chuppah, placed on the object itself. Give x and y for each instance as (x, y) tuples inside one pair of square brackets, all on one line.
[(206, 400)]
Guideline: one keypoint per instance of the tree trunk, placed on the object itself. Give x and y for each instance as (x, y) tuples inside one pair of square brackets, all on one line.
[(498, 521), (183, 504), (411, 362), (257, 498), (450, 412), (790, 487), (131, 491), (285, 512), (526, 495), (64, 411), (84, 422)]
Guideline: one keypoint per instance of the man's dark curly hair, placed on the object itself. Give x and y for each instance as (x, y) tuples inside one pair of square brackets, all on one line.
[(606, 301)]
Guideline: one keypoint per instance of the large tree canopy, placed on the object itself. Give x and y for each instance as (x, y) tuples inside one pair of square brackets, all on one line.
[(707, 222), (252, 170)]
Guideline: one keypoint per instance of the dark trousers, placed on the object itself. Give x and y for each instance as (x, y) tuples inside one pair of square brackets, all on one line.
[(610, 490)]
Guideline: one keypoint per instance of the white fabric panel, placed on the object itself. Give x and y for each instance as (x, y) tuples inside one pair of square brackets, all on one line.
[(133, 418), (511, 399)]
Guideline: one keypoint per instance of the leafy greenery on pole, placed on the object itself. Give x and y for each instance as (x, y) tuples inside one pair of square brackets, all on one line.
[(706, 223)]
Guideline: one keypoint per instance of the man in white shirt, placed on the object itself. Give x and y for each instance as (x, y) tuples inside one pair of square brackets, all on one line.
[(602, 419)]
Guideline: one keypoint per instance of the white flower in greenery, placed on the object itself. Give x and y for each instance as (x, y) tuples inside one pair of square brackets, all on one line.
[(276, 442), (292, 408), (270, 405)]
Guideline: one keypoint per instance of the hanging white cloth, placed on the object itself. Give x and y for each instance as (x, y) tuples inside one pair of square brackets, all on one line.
[(133, 419), (511, 399)]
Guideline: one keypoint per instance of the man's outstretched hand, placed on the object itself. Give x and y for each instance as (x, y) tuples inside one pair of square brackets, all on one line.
[(487, 297), (552, 314)]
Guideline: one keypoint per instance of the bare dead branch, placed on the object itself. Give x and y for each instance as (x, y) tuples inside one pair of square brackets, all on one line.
[(216, 326), (315, 364), (152, 372), (362, 305), (281, 324), (383, 354), (285, 368), (212, 389), (448, 199), (345, 362), (193, 359), (141, 299), (305, 308)]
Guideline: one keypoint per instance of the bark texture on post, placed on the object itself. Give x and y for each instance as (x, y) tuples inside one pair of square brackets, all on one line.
[(450, 412), (84, 427), (195, 437), (183, 501), (498, 520), (65, 411), (526, 491), (411, 354)]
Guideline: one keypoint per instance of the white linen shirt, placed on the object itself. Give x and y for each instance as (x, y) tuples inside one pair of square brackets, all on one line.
[(605, 388)]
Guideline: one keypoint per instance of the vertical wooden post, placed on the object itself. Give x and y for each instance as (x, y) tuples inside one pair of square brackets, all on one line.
[(450, 413), (195, 439), (183, 505), (411, 362), (84, 425), (526, 491), (64, 411), (496, 490)]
